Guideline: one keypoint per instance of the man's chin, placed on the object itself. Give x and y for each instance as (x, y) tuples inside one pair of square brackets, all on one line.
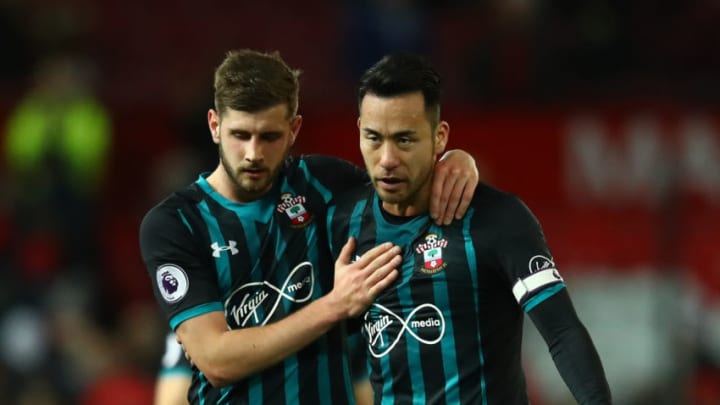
[(255, 188), (390, 198)]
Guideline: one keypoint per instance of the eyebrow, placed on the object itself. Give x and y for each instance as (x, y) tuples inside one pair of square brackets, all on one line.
[(246, 132), (406, 132)]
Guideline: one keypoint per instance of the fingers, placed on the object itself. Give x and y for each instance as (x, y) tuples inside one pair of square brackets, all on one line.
[(382, 271), (467, 195), (381, 285), (346, 252), (460, 198), (373, 254), (370, 274), (383, 276), (437, 190), (446, 209), (455, 210), (383, 264), (454, 183)]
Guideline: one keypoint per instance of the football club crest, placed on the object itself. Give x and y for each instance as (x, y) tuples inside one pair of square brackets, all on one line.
[(293, 207), (432, 253)]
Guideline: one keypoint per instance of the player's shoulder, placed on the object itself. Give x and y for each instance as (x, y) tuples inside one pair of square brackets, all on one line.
[(492, 202), (344, 205), (317, 161), (327, 174), (168, 208), (323, 166), (354, 194)]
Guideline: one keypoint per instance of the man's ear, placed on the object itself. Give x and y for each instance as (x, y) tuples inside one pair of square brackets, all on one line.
[(295, 125), (442, 134), (214, 124)]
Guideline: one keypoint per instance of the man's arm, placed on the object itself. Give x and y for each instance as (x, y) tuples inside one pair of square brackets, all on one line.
[(225, 356), (572, 349), (454, 182)]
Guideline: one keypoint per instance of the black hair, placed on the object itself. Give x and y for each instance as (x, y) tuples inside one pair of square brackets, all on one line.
[(402, 73)]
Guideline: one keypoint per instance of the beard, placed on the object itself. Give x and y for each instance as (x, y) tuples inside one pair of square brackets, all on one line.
[(414, 192), (246, 187)]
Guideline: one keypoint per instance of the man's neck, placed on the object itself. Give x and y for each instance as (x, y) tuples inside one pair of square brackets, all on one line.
[(405, 209), (419, 204)]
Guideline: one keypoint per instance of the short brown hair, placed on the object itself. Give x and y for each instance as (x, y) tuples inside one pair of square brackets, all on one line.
[(251, 81)]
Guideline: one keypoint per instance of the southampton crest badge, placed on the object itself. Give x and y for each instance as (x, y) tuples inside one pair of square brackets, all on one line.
[(293, 207), (432, 253)]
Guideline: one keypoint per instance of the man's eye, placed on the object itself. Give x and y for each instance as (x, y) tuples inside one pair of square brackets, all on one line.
[(272, 136)]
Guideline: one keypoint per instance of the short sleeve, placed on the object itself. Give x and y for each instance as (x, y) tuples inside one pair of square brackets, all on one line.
[(524, 256), (184, 284)]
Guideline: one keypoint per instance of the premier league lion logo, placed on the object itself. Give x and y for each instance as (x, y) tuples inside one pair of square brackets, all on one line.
[(169, 283), (172, 282)]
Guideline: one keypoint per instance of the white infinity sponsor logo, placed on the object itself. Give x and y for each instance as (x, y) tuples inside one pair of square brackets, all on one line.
[(375, 328), (251, 302)]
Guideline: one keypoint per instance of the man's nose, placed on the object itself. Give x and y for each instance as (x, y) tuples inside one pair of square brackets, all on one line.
[(388, 156), (254, 150)]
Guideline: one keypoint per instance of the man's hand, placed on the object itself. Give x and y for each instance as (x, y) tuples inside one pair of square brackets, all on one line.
[(454, 182), (226, 356), (357, 284)]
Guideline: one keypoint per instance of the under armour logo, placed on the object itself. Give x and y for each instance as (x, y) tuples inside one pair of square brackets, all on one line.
[(231, 247)]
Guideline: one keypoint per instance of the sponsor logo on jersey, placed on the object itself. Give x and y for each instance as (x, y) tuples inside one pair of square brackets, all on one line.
[(172, 282), (540, 262), (384, 329), (231, 246), (293, 207), (432, 253), (541, 274), (255, 303)]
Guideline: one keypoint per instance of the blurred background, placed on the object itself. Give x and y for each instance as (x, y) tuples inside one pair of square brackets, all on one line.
[(603, 115)]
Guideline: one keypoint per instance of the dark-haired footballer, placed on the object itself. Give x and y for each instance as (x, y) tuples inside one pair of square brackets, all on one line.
[(448, 330)]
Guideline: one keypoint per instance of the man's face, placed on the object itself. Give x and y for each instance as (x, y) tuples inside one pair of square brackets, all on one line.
[(399, 150), (253, 147)]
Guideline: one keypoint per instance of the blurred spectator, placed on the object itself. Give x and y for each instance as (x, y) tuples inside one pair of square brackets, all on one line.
[(57, 140), (55, 147)]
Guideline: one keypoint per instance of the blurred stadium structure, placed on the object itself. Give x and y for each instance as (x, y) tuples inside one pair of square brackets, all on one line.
[(603, 115)]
